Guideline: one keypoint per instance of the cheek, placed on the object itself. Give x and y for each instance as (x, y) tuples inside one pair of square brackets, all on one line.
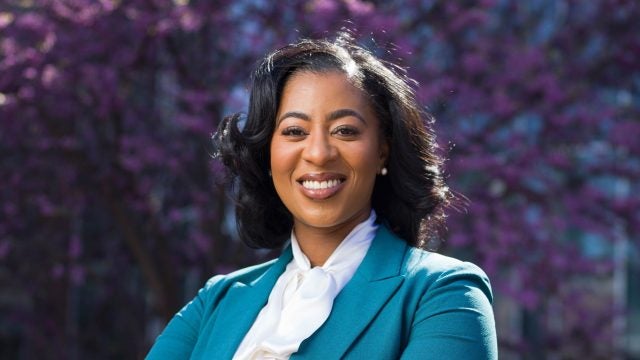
[(281, 156), (284, 160), (367, 156)]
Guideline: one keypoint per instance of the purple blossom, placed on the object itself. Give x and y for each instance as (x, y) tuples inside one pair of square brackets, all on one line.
[(106, 109)]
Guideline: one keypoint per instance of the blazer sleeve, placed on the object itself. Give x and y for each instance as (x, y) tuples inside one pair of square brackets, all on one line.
[(454, 319), (179, 337)]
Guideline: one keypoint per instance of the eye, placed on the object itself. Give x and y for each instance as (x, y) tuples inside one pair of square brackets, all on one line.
[(293, 131), (346, 131)]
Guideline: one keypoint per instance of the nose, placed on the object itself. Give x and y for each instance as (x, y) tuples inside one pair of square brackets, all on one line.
[(319, 150)]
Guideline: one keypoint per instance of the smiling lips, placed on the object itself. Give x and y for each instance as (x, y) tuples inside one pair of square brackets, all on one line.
[(320, 186)]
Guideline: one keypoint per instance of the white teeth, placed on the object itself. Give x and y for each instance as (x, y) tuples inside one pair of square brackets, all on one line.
[(315, 185)]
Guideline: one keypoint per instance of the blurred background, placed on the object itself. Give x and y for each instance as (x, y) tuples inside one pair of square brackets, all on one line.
[(112, 212)]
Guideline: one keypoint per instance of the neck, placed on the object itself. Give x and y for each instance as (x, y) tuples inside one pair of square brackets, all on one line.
[(319, 243)]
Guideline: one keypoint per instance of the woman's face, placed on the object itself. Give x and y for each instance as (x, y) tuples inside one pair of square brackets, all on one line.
[(326, 151)]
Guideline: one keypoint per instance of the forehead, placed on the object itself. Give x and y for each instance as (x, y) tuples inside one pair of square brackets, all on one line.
[(324, 97), (316, 88)]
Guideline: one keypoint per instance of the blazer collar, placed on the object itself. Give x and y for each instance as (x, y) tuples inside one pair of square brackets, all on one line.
[(378, 276), (241, 305), (385, 256), (375, 281)]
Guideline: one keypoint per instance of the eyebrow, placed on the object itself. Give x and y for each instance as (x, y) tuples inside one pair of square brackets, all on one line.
[(293, 114), (344, 113), (334, 115)]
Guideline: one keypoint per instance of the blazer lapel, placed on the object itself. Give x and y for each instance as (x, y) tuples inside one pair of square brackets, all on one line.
[(375, 281), (241, 306)]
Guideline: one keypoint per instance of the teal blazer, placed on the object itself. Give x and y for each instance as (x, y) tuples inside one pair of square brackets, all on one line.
[(402, 302)]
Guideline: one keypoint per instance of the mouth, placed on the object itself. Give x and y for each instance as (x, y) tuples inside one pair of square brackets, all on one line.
[(321, 186), (317, 185)]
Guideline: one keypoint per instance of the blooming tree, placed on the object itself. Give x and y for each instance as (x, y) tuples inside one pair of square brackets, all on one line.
[(112, 212), (538, 106)]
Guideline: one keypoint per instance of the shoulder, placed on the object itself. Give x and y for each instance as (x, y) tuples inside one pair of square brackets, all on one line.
[(245, 275), (423, 271), (447, 304), (435, 270), (217, 286)]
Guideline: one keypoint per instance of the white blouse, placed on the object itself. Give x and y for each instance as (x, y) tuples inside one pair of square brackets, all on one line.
[(302, 298)]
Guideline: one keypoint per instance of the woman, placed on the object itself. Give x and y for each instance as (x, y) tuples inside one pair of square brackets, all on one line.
[(336, 161)]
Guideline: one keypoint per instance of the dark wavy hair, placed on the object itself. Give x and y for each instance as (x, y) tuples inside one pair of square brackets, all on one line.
[(410, 199)]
